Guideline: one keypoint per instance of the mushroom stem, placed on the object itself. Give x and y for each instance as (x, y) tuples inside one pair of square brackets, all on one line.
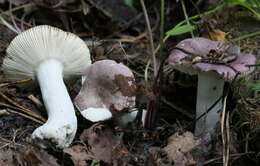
[(210, 89), (61, 125)]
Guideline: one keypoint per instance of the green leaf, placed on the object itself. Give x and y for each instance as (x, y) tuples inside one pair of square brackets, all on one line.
[(254, 85), (252, 5), (181, 30), (129, 2), (235, 2)]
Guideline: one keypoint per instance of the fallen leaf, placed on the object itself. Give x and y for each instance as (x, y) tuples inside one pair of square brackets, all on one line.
[(32, 156), (216, 35), (79, 155), (105, 146), (26, 156), (157, 157), (179, 146), (6, 158)]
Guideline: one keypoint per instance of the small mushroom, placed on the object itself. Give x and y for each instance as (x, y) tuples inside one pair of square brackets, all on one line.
[(218, 62), (49, 54), (109, 88)]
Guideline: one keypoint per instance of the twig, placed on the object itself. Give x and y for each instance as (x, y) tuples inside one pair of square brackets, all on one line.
[(15, 82), (219, 158), (186, 16), (12, 18), (17, 8), (21, 108), (179, 109), (228, 139), (223, 133), (253, 65), (150, 37), (35, 100), (162, 27), (3, 112), (19, 113), (246, 36)]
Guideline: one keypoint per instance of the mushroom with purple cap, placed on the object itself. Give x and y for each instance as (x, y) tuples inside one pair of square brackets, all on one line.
[(108, 88), (48, 54), (214, 63)]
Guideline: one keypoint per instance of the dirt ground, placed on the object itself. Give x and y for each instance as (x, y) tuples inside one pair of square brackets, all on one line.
[(116, 31)]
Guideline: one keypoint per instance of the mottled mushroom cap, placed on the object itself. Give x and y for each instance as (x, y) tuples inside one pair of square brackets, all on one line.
[(201, 47), (107, 85)]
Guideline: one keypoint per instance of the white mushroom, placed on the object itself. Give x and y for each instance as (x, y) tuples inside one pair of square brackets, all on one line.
[(109, 88), (49, 54)]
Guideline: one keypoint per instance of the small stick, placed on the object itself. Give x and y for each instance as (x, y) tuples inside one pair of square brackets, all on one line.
[(3, 112), (21, 108), (224, 143), (219, 158), (19, 113), (179, 109), (186, 16), (35, 101), (15, 82), (127, 40), (150, 37)]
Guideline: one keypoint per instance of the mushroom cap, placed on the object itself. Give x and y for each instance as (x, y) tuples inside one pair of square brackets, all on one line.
[(38, 44), (201, 47), (108, 85)]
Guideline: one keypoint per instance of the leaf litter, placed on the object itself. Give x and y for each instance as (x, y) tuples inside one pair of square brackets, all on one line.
[(123, 38)]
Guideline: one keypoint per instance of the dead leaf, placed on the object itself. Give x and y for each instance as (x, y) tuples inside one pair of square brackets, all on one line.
[(216, 35), (179, 146), (32, 156), (158, 157), (6, 158), (79, 155), (105, 146), (26, 156)]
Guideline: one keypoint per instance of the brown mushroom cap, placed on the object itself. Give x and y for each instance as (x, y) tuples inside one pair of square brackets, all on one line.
[(201, 47), (108, 84)]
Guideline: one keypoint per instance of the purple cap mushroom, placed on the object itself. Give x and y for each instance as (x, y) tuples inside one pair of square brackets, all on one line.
[(48, 54), (214, 63), (108, 88)]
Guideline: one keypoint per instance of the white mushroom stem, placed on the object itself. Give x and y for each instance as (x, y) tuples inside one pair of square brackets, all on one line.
[(210, 89), (61, 125)]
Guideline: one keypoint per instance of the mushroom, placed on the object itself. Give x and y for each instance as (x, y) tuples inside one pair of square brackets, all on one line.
[(109, 88), (49, 54), (214, 63)]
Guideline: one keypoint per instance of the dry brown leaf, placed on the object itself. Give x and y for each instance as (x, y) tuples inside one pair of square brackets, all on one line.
[(32, 156), (79, 155), (105, 146), (6, 158), (179, 146), (216, 35), (157, 157), (26, 156)]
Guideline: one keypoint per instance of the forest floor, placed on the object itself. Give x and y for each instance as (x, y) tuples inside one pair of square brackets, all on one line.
[(116, 31)]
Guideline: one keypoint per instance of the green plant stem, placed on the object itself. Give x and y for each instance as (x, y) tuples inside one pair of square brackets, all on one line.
[(186, 16), (246, 36), (162, 26), (155, 65)]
